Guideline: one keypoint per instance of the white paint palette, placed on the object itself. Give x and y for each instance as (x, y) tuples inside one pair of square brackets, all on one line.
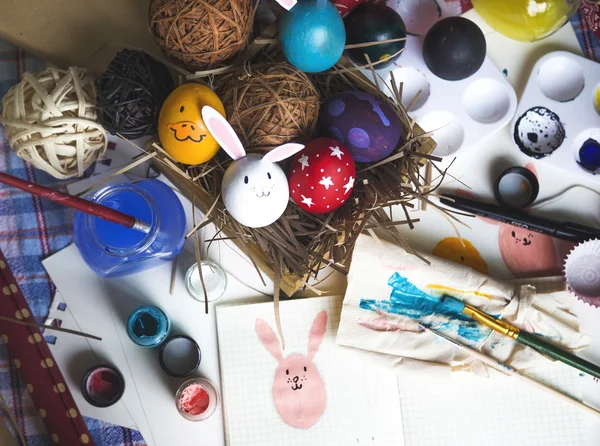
[(557, 120), (460, 112)]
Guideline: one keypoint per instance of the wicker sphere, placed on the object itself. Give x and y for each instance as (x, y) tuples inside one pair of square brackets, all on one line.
[(131, 92), (201, 34), (273, 105), (50, 120)]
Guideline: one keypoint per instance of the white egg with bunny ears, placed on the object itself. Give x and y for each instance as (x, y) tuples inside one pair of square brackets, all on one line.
[(255, 190)]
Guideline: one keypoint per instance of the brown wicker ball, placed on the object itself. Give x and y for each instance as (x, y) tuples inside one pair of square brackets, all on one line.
[(272, 105), (201, 34)]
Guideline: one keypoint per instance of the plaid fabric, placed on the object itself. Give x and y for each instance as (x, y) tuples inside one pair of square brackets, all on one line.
[(32, 229)]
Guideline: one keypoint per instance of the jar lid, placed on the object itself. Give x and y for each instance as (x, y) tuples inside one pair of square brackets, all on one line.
[(180, 356), (517, 187)]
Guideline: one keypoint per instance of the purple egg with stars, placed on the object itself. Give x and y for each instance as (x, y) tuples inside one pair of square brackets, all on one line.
[(366, 125)]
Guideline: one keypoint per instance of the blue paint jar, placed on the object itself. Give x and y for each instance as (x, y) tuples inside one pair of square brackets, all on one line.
[(312, 35), (112, 250), (148, 326)]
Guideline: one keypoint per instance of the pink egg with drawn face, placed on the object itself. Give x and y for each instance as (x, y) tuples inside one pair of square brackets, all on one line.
[(530, 254), (366, 125)]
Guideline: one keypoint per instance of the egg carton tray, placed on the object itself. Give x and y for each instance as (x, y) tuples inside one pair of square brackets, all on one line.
[(558, 120), (460, 113)]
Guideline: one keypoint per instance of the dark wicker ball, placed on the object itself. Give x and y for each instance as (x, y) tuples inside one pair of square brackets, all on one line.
[(131, 93)]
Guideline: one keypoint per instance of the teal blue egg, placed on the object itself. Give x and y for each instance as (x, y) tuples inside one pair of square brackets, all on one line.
[(312, 35)]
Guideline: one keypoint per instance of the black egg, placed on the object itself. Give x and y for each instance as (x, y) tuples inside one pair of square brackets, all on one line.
[(454, 48), (370, 22)]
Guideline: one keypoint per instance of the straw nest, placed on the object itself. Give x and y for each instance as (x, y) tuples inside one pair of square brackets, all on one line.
[(300, 245)]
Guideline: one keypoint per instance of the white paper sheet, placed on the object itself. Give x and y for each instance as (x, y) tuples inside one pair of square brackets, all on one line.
[(362, 399), (101, 306)]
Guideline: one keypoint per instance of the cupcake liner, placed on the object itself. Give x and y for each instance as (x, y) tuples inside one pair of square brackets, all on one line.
[(582, 272)]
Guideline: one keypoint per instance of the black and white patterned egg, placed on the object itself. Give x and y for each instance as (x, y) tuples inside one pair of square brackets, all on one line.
[(539, 132)]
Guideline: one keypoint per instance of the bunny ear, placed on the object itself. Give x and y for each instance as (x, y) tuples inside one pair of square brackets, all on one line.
[(222, 131), (317, 333), (268, 339), (282, 152), (287, 4)]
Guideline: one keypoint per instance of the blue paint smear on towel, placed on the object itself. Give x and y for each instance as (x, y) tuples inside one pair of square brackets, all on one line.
[(408, 300)]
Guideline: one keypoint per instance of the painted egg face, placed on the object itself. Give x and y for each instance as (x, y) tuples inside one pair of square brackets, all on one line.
[(181, 129), (255, 192), (460, 251), (322, 176), (366, 125), (539, 132)]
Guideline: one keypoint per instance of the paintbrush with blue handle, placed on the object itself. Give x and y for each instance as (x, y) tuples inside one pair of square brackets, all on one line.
[(532, 340)]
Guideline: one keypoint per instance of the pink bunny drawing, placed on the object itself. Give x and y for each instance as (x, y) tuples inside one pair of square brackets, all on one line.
[(298, 389), (526, 253)]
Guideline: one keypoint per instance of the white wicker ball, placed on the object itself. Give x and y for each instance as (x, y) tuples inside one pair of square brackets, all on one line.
[(50, 120)]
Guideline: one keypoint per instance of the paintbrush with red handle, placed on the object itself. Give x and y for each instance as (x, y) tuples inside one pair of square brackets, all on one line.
[(85, 206)]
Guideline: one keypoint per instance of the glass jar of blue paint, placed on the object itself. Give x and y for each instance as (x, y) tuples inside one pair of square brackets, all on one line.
[(112, 250), (148, 326)]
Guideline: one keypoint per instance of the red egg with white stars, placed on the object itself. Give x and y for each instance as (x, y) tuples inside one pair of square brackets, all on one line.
[(322, 176)]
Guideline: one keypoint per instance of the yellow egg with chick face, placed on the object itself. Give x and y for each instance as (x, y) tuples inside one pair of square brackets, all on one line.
[(181, 129)]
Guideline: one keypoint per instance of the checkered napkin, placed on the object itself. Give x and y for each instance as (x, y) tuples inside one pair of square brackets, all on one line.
[(31, 229)]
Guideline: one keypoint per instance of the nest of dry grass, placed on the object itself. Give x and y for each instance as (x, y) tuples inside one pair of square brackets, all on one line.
[(300, 245)]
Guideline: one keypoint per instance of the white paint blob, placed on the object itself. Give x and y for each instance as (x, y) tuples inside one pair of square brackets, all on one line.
[(412, 81), (515, 189), (448, 131), (486, 101), (180, 356), (561, 79)]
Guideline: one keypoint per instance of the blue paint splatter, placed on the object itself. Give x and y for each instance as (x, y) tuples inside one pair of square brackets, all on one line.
[(336, 107), (334, 132), (376, 108), (359, 138), (505, 71), (444, 314), (589, 155)]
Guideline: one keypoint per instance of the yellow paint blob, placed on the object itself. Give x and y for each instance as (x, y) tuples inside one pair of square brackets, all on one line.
[(597, 100), (448, 290), (181, 129), (460, 251)]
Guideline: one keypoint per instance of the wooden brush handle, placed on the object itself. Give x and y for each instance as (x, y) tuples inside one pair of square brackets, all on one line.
[(539, 344)]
